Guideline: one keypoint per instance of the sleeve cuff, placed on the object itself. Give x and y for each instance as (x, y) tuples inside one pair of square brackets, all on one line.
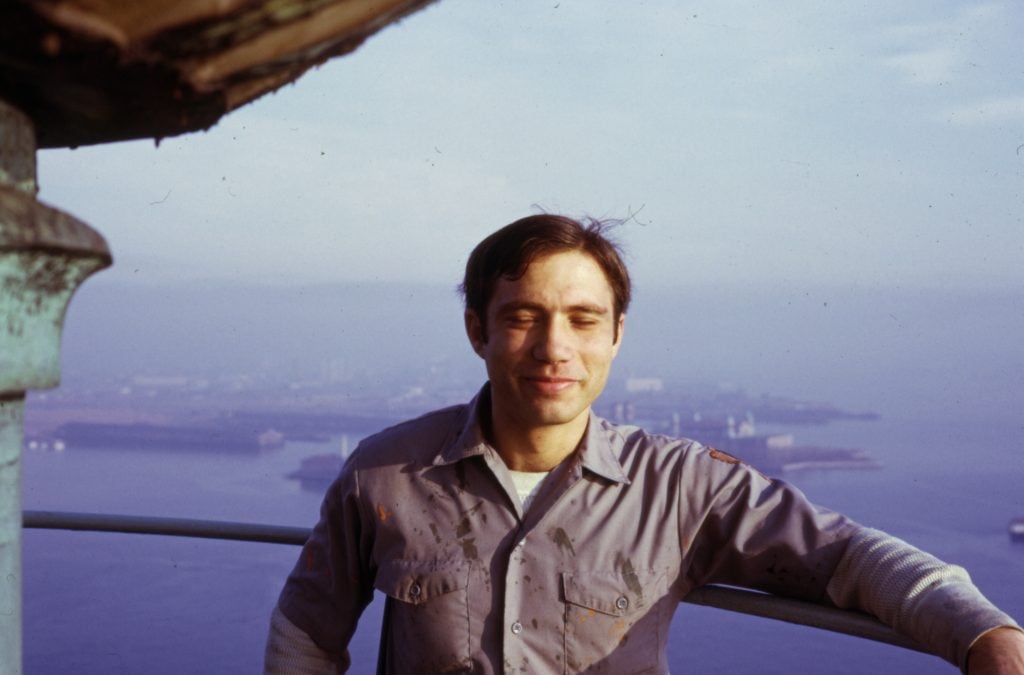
[(290, 651), (915, 593)]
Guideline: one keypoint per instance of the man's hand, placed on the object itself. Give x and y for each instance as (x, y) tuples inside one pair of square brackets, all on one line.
[(997, 652)]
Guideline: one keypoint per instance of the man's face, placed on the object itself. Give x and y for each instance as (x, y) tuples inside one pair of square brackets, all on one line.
[(551, 339)]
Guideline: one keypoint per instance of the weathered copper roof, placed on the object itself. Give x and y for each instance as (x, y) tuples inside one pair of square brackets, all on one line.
[(93, 71)]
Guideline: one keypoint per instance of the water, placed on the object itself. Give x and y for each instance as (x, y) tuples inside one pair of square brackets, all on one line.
[(114, 603)]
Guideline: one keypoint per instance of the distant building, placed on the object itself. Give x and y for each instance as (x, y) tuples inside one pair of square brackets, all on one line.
[(635, 385)]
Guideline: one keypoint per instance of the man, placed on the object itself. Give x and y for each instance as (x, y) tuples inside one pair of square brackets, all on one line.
[(521, 533)]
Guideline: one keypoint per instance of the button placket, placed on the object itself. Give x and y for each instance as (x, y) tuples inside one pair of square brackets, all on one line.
[(515, 602)]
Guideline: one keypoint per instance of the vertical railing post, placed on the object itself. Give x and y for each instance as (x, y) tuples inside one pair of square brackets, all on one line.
[(44, 256)]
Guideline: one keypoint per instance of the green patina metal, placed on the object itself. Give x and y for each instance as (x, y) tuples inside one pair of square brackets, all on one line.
[(35, 288), (11, 423), (44, 256)]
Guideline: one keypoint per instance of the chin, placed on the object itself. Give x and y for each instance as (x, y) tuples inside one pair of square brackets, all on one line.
[(554, 417)]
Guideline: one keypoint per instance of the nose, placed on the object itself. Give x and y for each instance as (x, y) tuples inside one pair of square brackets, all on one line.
[(554, 343)]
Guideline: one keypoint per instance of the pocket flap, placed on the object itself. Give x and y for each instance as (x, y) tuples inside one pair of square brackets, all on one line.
[(417, 581), (606, 592)]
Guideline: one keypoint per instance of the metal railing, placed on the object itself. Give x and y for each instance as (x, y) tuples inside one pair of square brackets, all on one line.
[(740, 600), (174, 527)]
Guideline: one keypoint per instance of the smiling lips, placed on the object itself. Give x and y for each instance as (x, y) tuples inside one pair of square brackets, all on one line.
[(551, 385)]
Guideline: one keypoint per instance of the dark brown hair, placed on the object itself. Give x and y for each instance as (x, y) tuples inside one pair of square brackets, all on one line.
[(509, 251)]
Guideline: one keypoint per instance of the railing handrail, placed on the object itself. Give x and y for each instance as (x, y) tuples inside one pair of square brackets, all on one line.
[(732, 599), (175, 527)]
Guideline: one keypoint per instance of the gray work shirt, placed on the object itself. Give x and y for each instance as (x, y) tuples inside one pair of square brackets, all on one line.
[(587, 579)]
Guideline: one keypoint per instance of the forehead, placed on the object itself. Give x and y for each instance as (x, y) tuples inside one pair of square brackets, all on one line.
[(557, 280)]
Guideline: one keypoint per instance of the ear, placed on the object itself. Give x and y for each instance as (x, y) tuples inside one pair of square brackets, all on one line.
[(475, 332), (619, 327)]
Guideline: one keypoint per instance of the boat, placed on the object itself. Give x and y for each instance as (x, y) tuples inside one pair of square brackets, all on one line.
[(1017, 529), (212, 436), (270, 439), (318, 471)]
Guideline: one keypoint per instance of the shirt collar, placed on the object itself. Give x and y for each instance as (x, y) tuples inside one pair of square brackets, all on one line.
[(598, 452), (467, 436)]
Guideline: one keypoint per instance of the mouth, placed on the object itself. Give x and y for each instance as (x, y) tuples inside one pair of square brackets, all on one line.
[(550, 385)]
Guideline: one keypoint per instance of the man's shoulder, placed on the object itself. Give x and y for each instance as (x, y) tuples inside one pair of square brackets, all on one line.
[(633, 444), (417, 438), (631, 437)]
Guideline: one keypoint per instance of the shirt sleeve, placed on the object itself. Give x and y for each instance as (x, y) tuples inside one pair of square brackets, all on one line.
[(764, 534), (290, 651), (332, 582), (915, 593), (757, 532)]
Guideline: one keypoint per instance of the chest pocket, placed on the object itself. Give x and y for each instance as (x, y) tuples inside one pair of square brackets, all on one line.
[(428, 619), (611, 625)]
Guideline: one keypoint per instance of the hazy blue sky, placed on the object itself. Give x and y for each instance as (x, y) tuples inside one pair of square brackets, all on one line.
[(777, 142)]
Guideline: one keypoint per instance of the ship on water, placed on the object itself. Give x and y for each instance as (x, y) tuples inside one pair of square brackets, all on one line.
[(772, 453), (210, 437), (1016, 529), (316, 472)]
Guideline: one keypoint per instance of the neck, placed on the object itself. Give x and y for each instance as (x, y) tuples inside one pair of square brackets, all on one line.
[(535, 449)]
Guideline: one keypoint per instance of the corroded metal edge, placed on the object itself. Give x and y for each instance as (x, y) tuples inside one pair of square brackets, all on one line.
[(17, 150), (26, 224)]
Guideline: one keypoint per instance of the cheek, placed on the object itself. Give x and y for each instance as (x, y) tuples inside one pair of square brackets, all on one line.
[(498, 352), (600, 361), (599, 347), (508, 343)]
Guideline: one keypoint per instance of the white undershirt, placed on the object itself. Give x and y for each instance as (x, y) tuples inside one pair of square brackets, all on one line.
[(526, 483)]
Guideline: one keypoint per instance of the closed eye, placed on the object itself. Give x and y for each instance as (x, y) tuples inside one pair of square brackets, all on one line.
[(520, 320), (585, 321)]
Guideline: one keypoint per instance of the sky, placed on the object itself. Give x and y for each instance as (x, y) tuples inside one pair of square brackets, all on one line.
[(746, 144)]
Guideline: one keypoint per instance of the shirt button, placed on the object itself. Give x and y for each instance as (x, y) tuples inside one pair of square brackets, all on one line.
[(622, 602), (415, 590), (517, 628)]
